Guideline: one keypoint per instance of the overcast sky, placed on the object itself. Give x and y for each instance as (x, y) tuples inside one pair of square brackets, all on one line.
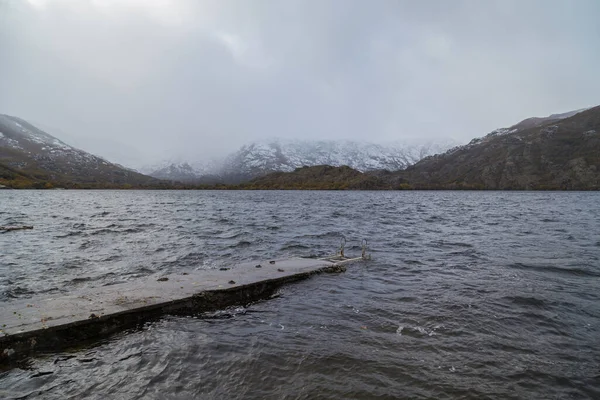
[(139, 81)]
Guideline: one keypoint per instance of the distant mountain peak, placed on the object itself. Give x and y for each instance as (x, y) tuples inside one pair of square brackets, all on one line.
[(538, 121), (28, 150), (561, 152), (285, 155), (527, 123)]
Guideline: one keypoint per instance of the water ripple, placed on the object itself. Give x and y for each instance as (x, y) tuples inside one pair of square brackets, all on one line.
[(469, 294)]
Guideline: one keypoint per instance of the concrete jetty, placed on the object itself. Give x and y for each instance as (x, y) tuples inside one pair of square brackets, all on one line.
[(51, 324)]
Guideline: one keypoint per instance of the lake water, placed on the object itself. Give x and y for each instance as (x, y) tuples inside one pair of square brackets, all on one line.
[(469, 294)]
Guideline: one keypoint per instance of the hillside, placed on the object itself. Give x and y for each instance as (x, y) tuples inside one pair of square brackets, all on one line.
[(30, 157), (320, 177), (539, 121), (182, 171), (278, 155), (560, 154)]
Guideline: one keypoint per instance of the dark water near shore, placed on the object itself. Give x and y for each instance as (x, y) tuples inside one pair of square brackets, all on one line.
[(469, 294)]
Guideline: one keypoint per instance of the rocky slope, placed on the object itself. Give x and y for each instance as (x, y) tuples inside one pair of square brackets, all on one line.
[(28, 154), (277, 155), (319, 177), (538, 121), (555, 153)]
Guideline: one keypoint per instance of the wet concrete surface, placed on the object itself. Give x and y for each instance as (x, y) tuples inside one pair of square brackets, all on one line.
[(50, 324)]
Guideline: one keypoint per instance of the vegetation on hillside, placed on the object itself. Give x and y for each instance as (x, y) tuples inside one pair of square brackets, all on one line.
[(320, 177), (558, 155), (35, 179)]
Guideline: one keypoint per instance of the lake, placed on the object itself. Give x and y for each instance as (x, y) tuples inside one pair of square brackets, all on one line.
[(468, 294)]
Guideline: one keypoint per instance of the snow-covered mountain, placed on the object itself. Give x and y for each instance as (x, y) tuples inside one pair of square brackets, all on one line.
[(261, 157), (561, 153), (18, 134), (528, 123), (25, 148), (184, 171)]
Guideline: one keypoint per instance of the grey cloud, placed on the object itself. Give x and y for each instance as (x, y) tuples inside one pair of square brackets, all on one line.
[(201, 78)]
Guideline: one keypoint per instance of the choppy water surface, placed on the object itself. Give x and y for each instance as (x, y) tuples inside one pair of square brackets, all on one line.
[(469, 294)]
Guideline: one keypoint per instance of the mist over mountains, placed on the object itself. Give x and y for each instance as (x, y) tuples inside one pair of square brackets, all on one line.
[(278, 155), (560, 151), (33, 155)]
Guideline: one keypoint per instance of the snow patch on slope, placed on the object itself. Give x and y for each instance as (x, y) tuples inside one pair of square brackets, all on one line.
[(43, 148), (260, 157)]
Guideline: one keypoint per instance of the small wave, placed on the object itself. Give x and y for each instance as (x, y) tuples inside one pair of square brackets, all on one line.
[(232, 235), (544, 319), (527, 301), (507, 347), (188, 259), (407, 299), (553, 269), (472, 254), (402, 245), (17, 292), (144, 271), (72, 264), (70, 234), (194, 256), (113, 257), (417, 331), (413, 262), (133, 230), (446, 244), (539, 376), (103, 231), (82, 279), (241, 243), (85, 245), (337, 214), (294, 247), (322, 235), (226, 313)]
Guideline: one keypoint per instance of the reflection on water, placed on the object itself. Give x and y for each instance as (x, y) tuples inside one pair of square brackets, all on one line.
[(469, 294)]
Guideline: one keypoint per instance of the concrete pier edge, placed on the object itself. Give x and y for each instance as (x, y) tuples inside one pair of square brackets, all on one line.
[(16, 346)]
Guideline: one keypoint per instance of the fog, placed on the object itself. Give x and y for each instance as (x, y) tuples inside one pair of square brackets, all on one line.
[(139, 81)]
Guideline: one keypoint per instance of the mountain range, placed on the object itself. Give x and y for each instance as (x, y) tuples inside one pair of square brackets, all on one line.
[(278, 155), (561, 151)]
